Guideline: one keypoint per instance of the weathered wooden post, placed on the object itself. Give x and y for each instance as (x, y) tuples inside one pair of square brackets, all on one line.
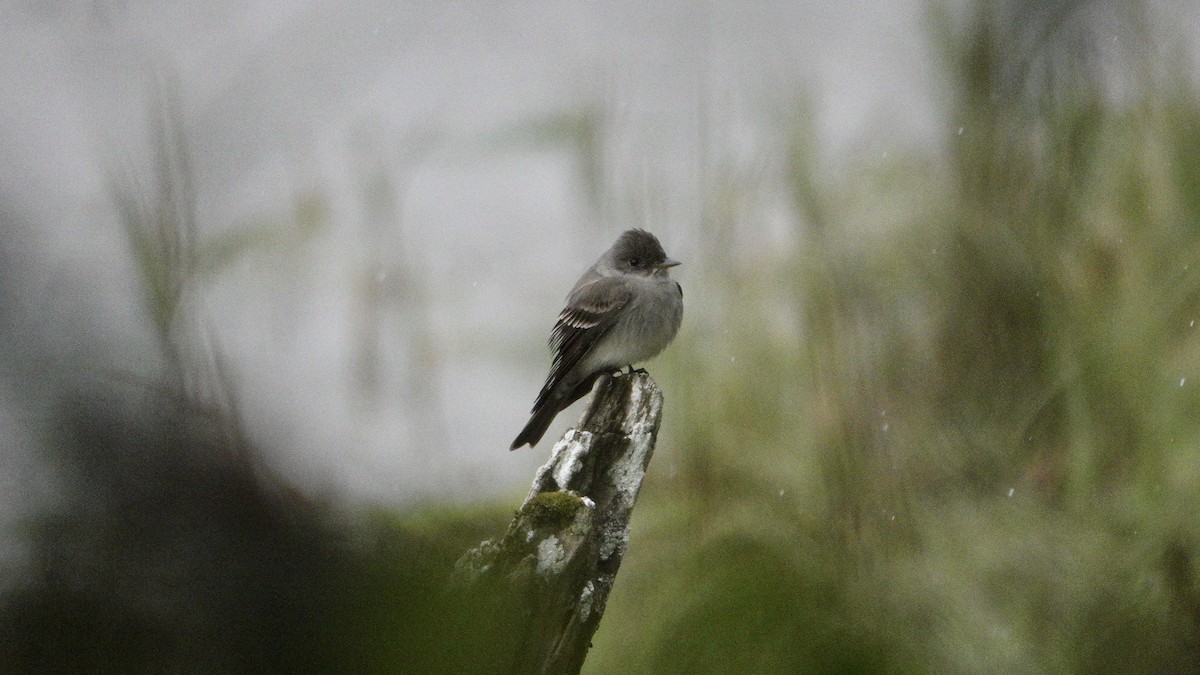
[(546, 582)]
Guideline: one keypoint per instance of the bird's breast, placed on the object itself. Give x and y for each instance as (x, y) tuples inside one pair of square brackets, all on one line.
[(647, 325)]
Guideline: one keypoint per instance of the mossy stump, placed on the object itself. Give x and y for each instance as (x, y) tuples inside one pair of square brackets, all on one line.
[(542, 588)]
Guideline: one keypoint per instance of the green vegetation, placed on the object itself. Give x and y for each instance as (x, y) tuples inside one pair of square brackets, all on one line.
[(552, 509), (955, 427)]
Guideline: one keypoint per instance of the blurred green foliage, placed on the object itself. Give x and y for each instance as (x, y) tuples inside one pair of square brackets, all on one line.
[(173, 549), (955, 428)]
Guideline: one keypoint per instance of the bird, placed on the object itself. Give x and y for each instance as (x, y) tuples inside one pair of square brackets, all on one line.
[(625, 309)]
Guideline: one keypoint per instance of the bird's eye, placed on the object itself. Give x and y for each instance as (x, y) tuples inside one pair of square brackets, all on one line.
[(635, 262)]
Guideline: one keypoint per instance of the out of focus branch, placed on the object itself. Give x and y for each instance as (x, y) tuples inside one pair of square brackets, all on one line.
[(544, 585)]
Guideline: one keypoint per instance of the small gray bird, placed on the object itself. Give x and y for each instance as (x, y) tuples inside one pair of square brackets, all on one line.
[(623, 310)]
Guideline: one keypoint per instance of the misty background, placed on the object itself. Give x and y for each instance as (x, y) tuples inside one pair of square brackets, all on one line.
[(433, 137), (327, 241)]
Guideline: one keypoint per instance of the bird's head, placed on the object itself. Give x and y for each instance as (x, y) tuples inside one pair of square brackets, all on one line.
[(638, 252)]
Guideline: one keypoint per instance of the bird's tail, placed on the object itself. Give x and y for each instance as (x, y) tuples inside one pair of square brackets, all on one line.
[(537, 425), (547, 408)]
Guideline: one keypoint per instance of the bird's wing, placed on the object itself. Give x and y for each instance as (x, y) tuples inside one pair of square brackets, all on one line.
[(591, 311)]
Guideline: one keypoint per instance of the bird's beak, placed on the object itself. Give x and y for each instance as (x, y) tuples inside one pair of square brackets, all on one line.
[(669, 263)]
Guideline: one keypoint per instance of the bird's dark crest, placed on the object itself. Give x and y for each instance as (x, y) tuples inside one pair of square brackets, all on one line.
[(639, 241)]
